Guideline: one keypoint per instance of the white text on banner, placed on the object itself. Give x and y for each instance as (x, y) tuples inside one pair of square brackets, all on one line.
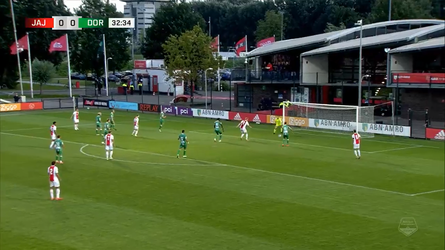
[(208, 113)]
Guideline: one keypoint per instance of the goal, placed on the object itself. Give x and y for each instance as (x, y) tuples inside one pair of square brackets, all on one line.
[(333, 118)]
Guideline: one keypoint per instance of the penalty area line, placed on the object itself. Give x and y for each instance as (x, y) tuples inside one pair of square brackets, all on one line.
[(215, 164), (394, 149), (428, 192), (135, 162)]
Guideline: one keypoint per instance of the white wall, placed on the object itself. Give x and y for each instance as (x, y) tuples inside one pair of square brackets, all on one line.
[(313, 66), (401, 63)]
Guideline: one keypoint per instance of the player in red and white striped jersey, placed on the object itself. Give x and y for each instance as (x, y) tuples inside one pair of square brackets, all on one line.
[(136, 126), (53, 133), (356, 143), (243, 128), (54, 181), (109, 143), (75, 117)]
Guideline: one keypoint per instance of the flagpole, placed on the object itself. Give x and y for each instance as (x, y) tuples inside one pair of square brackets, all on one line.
[(105, 65), (219, 74), (69, 65), (17, 46), (30, 66), (245, 59)]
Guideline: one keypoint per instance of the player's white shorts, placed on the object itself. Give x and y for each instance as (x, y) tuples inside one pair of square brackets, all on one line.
[(76, 120), (356, 146), (53, 137), (109, 148), (54, 183), (243, 131), (136, 127)]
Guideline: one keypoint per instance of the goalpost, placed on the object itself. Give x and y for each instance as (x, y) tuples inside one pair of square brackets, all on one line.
[(333, 118)]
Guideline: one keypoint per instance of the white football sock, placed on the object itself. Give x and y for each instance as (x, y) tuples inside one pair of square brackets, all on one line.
[(52, 144), (111, 154), (359, 154), (107, 154), (242, 135), (136, 133), (58, 193), (247, 136), (355, 152), (132, 133), (51, 193)]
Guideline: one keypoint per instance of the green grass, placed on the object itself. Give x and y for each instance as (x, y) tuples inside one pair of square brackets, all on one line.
[(235, 194)]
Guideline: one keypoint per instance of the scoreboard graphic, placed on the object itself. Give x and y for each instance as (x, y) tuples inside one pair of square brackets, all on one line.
[(79, 23)]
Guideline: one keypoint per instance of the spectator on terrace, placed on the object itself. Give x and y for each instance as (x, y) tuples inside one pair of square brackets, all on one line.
[(16, 98)]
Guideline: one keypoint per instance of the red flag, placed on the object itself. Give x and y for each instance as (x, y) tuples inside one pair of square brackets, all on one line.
[(265, 42), (240, 46), (23, 45), (215, 44), (58, 44)]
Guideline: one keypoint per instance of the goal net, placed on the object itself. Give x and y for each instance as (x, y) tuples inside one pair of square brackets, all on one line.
[(333, 118)]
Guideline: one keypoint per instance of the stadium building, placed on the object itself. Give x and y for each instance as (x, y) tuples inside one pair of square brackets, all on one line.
[(324, 68)]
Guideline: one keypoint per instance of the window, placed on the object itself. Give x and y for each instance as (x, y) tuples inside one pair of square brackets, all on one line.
[(381, 31), (403, 27), (369, 32), (391, 29), (415, 26)]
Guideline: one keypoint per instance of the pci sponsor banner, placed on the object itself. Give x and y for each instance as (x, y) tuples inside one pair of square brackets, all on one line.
[(434, 78), (123, 105), (385, 129), (238, 116), (435, 133), (208, 113), (292, 121), (184, 111), (10, 107), (149, 107), (32, 106), (96, 103), (331, 124), (168, 110)]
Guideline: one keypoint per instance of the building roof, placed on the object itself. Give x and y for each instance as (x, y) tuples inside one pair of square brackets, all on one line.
[(428, 44), (327, 37), (403, 36)]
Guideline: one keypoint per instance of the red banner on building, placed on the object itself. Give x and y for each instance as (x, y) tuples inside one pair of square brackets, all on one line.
[(140, 64), (265, 42), (238, 116), (435, 133), (420, 78)]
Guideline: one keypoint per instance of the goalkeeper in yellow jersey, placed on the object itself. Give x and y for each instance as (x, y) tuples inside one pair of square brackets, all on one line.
[(277, 125)]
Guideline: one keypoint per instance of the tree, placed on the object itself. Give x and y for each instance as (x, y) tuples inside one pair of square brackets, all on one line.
[(189, 54), (330, 27), (86, 54), (401, 9), (171, 19), (269, 26), (42, 72), (39, 38)]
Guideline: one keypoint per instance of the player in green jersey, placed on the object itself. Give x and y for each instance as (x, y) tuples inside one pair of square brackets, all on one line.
[(285, 130), (161, 120), (98, 123), (183, 141), (58, 145), (112, 123), (219, 128), (106, 129)]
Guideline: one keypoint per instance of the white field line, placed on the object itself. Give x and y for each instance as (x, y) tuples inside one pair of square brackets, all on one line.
[(428, 192), (136, 162), (300, 130), (239, 167), (394, 149), (39, 128)]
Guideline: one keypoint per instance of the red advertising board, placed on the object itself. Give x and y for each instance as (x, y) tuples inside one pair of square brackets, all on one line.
[(419, 78), (238, 116), (32, 106), (435, 133), (140, 64)]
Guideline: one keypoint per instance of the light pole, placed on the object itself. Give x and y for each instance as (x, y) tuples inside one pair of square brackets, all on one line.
[(281, 11), (17, 46), (389, 10), (205, 82), (107, 80), (360, 22)]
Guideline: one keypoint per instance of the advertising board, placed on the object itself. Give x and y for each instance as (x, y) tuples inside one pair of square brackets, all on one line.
[(123, 105), (182, 111), (32, 106), (208, 113), (332, 124), (292, 121), (238, 116), (435, 133), (385, 129), (170, 110), (149, 107), (96, 103), (10, 107), (426, 78)]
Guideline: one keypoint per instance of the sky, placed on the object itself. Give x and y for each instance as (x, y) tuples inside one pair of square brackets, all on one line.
[(76, 3)]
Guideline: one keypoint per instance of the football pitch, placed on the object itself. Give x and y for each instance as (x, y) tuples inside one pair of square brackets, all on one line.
[(233, 195)]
